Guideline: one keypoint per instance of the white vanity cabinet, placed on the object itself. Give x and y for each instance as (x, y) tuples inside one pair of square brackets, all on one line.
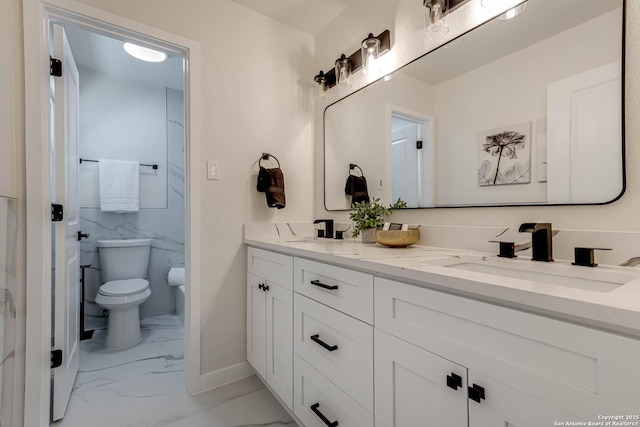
[(524, 369), (270, 319), (347, 348), (333, 344)]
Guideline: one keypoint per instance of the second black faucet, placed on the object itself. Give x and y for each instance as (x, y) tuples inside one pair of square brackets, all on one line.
[(328, 227)]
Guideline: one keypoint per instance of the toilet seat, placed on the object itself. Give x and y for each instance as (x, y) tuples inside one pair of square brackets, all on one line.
[(120, 288)]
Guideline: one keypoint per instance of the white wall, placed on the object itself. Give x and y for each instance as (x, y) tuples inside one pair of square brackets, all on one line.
[(257, 97), (488, 98), (409, 42), (360, 135), (125, 120)]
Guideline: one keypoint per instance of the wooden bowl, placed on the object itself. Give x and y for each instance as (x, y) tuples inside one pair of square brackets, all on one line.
[(398, 238)]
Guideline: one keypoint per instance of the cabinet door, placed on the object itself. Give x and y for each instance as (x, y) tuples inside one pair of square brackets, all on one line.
[(256, 325), (411, 387), (280, 341), (506, 406)]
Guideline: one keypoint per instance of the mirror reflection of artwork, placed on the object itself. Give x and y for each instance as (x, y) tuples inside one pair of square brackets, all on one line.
[(504, 155)]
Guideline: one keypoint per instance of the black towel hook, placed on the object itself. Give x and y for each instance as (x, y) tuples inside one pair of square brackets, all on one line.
[(266, 156), (352, 166)]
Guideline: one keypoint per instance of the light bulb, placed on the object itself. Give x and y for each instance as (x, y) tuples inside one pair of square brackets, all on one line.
[(144, 53)]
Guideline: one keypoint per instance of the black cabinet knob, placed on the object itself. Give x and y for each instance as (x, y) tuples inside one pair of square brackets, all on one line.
[(476, 393), (82, 235), (454, 381)]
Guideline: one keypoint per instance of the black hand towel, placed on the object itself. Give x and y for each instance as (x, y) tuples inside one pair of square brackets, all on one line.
[(271, 182), (356, 187)]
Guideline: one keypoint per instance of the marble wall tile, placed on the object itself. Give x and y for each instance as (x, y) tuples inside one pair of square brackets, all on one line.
[(8, 254), (164, 226)]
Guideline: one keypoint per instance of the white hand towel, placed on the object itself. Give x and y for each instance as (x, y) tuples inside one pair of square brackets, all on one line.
[(119, 185)]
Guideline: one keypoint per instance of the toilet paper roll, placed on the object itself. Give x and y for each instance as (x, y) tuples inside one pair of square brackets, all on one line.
[(176, 276)]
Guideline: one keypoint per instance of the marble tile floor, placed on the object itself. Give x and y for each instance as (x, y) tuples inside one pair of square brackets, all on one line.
[(143, 386)]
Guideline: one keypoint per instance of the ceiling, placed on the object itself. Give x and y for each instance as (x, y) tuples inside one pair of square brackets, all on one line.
[(309, 16), (100, 53)]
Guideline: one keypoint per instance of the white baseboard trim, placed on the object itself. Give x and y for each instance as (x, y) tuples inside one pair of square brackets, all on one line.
[(224, 376)]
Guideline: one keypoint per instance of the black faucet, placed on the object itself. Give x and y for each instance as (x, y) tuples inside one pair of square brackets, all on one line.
[(541, 240), (328, 227)]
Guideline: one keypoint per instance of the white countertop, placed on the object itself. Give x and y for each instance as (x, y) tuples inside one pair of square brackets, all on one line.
[(617, 310)]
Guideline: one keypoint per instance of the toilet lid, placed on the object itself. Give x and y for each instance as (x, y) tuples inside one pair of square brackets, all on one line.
[(123, 287)]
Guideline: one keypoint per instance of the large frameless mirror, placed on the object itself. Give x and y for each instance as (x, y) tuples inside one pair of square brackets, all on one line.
[(522, 111)]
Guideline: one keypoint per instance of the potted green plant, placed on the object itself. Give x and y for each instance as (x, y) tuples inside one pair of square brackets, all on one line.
[(367, 217)]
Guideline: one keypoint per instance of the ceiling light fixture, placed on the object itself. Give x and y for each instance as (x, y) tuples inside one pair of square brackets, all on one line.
[(144, 53)]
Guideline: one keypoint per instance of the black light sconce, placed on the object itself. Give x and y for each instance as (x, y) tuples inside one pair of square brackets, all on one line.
[(353, 61)]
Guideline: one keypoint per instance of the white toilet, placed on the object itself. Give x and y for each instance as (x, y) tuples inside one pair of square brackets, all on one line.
[(123, 268)]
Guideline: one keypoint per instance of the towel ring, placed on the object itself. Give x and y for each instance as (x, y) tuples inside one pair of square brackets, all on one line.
[(352, 166), (266, 156)]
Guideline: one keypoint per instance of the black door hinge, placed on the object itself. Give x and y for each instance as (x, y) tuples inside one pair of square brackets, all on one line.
[(57, 212), (419, 145), (56, 358), (55, 67)]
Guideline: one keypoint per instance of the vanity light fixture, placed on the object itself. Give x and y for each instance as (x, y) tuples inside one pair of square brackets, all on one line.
[(343, 71), (435, 12), (434, 23), (354, 62), (144, 53), (370, 53), (322, 80)]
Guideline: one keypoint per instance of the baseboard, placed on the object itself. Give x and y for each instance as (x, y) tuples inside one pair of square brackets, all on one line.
[(225, 376)]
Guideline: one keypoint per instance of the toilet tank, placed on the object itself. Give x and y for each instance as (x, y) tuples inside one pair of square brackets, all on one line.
[(124, 259)]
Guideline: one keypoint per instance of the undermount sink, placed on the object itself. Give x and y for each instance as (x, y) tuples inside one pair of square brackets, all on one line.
[(597, 279)]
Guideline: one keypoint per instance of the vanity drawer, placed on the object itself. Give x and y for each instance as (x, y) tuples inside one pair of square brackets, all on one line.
[(577, 369), (345, 290), (271, 266), (338, 346), (316, 397)]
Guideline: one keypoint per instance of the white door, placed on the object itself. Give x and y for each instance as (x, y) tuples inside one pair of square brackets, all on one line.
[(505, 406), (280, 341), (584, 136), (411, 387), (66, 296), (256, 324), (405, 175)]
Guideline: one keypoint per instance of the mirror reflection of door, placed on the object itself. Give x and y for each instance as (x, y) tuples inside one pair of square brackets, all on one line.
[(412, 160)]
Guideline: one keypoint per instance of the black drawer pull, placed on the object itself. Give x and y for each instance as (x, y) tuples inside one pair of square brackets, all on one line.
[(316, 338), (320, 415), (476, 393), (322, 285), (454, 381)]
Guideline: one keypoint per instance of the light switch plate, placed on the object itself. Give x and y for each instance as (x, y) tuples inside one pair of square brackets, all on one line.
[(213, 169)]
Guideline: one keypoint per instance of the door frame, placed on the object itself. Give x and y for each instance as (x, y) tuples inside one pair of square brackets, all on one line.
[(36, 16)]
